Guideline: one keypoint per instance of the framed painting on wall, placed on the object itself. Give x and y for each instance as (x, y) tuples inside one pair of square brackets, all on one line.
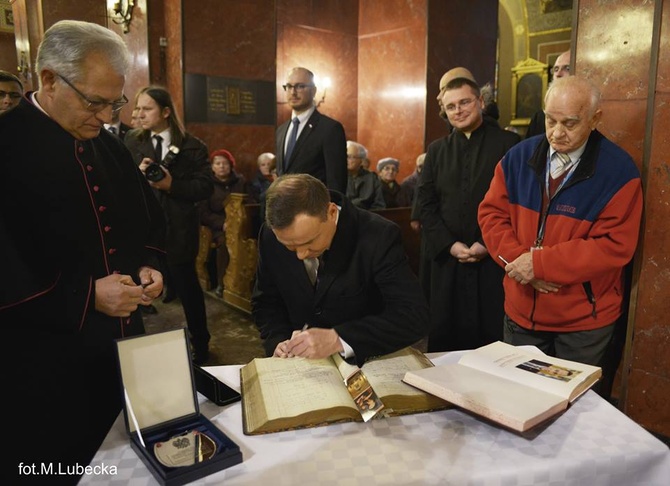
[(529, 84), (6, 17)]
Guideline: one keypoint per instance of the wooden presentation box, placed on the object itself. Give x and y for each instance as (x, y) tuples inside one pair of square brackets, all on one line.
[(162, 414)]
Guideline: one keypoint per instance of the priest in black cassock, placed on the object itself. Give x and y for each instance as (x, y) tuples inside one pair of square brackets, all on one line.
[(81, 239), (464, 284)]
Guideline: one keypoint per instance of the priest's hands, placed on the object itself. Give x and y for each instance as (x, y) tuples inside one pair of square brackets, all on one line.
[(468, 254), (118, 295)]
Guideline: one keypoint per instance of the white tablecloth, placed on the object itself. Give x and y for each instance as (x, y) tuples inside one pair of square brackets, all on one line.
[(590, 444)]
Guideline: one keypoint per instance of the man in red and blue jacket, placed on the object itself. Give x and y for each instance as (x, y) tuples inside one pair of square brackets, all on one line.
[(562, 215)]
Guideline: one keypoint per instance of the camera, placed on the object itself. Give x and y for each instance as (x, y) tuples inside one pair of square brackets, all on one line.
[(153, 172)]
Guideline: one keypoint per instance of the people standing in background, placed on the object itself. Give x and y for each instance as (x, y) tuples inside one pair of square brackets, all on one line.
[(561, 68), (81, 238), (564, 210), (464, 284), (213, 212), (310, 142), (491, 112), (117, 127), (180, 181), (387, 171), (11, 91), (363, 187), (409, 184), (266, 173)]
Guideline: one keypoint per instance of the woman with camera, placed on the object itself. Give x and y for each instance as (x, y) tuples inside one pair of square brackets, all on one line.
[(177, 168)]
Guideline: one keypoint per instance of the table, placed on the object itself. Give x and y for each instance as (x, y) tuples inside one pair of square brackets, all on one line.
[(592, 443)]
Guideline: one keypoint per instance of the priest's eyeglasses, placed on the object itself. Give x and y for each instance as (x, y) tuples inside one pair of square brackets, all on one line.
[(96, 106), (297, 87), (461, 105)]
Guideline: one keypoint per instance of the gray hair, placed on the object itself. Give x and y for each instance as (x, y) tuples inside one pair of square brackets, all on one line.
[(362, 151), (577, 84), (68, 43), (266, 156)]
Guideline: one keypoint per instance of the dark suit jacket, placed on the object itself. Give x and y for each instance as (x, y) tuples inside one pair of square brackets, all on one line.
[(191, 183), (123, 129), (321, 151), (536, 125), (366, 290)]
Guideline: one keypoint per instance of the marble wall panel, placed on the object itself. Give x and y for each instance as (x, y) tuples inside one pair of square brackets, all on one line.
[(379, 17), (623, 122), (157, 68), (245, 142), (663, 68), (652, 329), (648, 401), (614, 50), (176, 51), (8, 58), (328, 15), (87, 10), (392, 92), (613, 47), (650, 360), (230, 39)]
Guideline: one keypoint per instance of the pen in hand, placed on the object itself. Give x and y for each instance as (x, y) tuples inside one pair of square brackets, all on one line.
[(503, 260)]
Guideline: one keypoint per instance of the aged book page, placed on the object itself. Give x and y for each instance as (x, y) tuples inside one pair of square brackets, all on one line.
[(280, 394)]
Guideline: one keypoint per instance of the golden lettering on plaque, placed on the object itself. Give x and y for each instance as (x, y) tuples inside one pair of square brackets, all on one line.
[(233, 97)]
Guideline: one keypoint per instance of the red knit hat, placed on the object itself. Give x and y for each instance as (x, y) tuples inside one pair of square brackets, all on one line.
[(223, 153)]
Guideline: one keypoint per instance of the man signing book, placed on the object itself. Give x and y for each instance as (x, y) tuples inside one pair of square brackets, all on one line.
[(332, 278)]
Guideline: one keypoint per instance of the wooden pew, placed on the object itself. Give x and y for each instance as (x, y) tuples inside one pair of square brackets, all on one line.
[(242, 247)]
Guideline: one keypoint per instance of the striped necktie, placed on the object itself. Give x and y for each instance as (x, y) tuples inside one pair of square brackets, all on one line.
[(312, 267), (561, 164)]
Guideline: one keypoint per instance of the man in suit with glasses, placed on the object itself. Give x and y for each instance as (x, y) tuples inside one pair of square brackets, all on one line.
[(310, 142)]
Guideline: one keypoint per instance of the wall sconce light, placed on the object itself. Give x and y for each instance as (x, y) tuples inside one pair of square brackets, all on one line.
[(325, 83), (123, 13)]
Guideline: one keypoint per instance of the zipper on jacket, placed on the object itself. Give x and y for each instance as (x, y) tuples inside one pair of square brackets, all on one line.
[(532, 311), (591, 297)]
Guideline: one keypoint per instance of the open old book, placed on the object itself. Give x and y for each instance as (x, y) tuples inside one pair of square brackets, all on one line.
[(291, 393), (508, 385)]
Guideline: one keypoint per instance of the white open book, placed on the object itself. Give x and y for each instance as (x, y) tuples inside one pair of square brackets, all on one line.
[(508, 385)]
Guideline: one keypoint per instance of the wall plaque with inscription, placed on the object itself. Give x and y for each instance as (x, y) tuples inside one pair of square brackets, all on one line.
[(211, 99)]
